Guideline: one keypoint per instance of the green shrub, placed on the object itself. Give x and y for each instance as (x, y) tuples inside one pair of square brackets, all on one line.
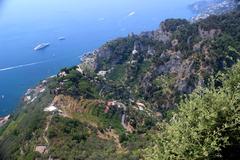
[(206, 126)]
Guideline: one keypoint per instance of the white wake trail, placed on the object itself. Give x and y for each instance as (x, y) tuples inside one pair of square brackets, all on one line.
[(21, 66)]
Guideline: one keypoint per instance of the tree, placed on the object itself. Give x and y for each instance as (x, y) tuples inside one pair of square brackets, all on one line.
[(206, 126)]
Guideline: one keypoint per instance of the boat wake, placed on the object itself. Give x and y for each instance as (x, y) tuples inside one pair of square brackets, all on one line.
[(21, 66)]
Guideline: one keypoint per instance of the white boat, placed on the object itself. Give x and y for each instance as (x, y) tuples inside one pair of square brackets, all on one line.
[(41, 46), (61, 38)]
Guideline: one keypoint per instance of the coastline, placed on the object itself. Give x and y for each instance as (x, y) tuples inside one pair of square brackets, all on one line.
[(87, 61), (4, 120)]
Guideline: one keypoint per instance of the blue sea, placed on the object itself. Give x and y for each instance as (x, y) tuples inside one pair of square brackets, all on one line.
[(86, 25)]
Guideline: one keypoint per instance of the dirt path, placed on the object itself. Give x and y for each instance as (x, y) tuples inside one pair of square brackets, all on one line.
[(123, 121), (49, 119), (124, 115)]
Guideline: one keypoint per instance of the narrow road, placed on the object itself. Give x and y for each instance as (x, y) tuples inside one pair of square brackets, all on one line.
[(124, 115), (123, 121)]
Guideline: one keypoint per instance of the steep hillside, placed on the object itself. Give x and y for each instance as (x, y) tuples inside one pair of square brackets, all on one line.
[(160, 66), (111, 105), (206, 126)]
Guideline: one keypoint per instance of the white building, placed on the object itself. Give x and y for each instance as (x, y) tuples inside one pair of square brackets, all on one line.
[(51, 109)]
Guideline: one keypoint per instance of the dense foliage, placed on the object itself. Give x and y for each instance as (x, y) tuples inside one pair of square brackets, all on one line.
[(206, 126), (25, 128)]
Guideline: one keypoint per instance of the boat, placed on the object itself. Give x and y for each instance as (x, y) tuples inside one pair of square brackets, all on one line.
[(41, 46), (61, 38)]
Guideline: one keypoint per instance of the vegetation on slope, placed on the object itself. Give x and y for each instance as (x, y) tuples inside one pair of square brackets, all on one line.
[(154, 69), (19, 137), (206, 125)]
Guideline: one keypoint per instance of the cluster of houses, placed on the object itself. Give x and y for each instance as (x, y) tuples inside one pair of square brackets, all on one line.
[(62, 74), (111, 104), (32, 94), (214, 8)]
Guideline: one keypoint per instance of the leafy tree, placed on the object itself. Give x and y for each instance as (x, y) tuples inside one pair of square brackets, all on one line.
[(206, 126)]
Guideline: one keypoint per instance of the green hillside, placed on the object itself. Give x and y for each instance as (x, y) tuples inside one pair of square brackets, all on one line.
[(172, 93)]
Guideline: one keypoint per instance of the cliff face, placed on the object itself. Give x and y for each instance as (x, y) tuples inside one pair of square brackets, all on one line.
[(182, 54), (105, 107)]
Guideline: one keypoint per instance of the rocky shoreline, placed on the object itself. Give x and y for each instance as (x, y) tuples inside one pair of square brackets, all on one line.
[(4, 120)]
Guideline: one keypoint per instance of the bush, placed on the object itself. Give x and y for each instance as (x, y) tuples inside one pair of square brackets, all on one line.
[(206, 125)]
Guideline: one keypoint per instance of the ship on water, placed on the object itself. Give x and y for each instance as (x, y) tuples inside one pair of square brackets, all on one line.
[(41, 46), (61, 38)]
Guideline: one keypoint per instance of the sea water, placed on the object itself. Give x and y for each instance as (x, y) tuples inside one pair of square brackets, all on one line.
[(85, 24)]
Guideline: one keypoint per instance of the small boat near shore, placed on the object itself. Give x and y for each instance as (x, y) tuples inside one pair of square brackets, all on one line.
[(41, 46)]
